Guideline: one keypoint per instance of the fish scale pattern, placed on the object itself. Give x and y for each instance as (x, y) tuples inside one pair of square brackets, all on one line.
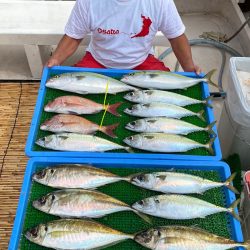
[(127, 221), (121, 132)]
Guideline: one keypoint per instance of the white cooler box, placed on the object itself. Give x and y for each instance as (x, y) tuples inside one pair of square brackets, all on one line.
[(234, 126)]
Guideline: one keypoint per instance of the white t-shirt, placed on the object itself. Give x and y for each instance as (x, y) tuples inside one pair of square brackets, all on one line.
[(123, 30)]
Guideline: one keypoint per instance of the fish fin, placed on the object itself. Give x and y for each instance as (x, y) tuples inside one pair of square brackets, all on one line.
[(209, 145), (228, 181), (210, 129), (208, 77), (200, 115), (109, 130), (113, 108), (207, 101), (129, 150), (231, 209), (143, 216), (73, 113)]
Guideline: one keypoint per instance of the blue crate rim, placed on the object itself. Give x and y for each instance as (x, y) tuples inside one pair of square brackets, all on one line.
[(236, 232), (37, 114)]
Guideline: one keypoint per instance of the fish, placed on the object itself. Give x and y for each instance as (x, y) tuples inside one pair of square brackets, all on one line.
[(76, 124), (165, 143), (74, 176), (78, 142), (75, 234), (149, 96), (80, 203), (165, 80), (76, 105), (167, 126), (157, 109), (87, 83), (178, 183), (184, 238), (181, 207)]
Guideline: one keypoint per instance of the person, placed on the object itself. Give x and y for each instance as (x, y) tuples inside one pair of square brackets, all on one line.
[(122, 32)]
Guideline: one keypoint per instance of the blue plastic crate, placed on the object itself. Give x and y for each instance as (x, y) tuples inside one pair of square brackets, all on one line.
[(223, 170), (111, 73)]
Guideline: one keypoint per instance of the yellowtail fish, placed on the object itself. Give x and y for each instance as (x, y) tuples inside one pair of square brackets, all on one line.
[(76, 124), (157, 109), (165, 143), (178, 183), (164, 80), (181, 207), (77, 142), (79, 203), (79, 106), (167, 126), (75, 234), (87, 83), (149, 96), (185, 238)]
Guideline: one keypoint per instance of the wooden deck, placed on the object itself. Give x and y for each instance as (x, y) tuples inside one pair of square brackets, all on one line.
[(17, 101)]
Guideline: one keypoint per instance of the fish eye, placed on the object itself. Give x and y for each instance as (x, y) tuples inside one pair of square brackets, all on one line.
[(140, 203), (141, 177), (53, 197), (133, 123), (34, 232), (131, 138), (158, 233), (57, 76), (42, 200), (132, 93), (52, 171), (157, 201), (41, 174), (46, 228)]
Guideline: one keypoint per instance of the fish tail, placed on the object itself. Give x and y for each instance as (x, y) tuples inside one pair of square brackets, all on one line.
[(208, 77), (109, 130), (207, 101), (247, 245), (232, 208), (113, 108), (210, 130), (143, 216), (200, 115), (209, 146), (228, 181)]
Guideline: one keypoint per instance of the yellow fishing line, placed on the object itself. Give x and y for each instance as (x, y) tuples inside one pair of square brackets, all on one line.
[(104, 104)]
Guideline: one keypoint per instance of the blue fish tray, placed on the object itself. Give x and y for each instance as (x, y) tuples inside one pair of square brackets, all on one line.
[(34, 128), (220, 169)]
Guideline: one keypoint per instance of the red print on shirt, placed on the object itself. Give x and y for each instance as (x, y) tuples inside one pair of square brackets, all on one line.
[(145, 27)]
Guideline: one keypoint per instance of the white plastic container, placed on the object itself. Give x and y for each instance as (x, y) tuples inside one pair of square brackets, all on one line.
[(234, 126)]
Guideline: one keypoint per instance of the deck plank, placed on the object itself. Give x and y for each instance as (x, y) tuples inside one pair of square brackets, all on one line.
[(15, 160)]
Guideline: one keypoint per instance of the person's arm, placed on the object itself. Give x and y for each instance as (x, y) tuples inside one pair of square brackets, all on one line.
[(182, 51), (66, 47)]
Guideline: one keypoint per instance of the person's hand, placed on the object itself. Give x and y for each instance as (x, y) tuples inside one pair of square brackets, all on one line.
[(197, 70), (52, 62)]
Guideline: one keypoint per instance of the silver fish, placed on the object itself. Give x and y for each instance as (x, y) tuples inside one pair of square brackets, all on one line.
[(165, 143), (157, 109), (184, 238), (167, 126), (75, 176), (75, 234), (164, 80), (178, 183), (149, 96), (79, 203), (181, 207), (77, 142), (87, 83)]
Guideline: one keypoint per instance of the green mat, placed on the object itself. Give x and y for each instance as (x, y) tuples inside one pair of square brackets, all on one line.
[(121, 132), (128, 222)]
